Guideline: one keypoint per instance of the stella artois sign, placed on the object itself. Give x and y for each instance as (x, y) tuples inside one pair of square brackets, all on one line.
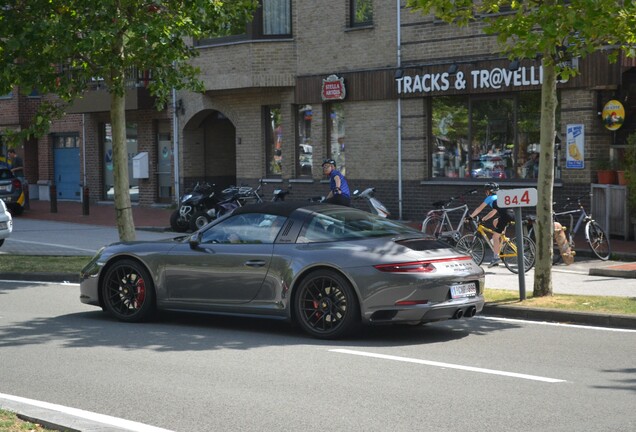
[(333, 88)]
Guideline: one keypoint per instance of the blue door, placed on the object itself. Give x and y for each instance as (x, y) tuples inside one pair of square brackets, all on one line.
[(67, 173)]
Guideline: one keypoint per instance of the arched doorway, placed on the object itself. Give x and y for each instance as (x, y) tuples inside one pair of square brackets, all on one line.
[(209, 150)]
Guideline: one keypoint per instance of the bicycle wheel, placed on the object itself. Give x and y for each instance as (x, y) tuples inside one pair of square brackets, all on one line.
[(432, 225), (473, 246), (509, 252), (598, 240)]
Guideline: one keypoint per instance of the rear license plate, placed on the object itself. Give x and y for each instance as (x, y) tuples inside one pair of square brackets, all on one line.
[(5, 187), (463, 290)]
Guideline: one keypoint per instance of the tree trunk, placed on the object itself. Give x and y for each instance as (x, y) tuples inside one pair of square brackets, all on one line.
[(545, 182), (125, 222)]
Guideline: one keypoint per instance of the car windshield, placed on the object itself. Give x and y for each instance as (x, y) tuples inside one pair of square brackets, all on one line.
[(250, 228), (349, 224)]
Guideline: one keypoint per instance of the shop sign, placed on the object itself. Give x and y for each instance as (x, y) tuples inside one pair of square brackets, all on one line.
[(613, 115), (333, 88), (495, 78), (575, 148)]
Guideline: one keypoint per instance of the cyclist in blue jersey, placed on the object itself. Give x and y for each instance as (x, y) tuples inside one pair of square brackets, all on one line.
[(339, 193), (504, 217)]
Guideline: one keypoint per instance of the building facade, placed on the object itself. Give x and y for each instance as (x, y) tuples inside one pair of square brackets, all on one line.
[(416, 108)]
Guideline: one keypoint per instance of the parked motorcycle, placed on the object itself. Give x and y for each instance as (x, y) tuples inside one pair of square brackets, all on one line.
[(374, 204), (192, 205), (229, 199)]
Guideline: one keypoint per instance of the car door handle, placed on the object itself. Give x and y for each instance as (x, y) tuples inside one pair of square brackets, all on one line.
[(255, 263)]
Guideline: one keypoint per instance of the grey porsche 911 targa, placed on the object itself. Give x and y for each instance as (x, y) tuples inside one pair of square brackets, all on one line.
[(327, 268)]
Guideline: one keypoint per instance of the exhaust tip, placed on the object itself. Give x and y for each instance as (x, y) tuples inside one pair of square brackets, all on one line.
[(471, 312), (458, 314)]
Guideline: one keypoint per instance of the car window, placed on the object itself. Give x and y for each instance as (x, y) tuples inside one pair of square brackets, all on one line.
[(5, 174), (345, 223), (247, 228)]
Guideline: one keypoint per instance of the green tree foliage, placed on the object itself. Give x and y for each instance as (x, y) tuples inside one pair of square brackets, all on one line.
[(556, 31), (63, 47)]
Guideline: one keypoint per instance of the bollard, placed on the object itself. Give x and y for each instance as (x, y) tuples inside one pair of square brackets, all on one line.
[(53, 194), (85, 202), (25, 188)]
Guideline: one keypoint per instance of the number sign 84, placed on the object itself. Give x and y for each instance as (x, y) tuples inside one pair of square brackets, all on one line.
[(517, 198)]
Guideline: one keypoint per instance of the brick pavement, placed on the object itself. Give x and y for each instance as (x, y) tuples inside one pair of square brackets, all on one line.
[(98, 214)]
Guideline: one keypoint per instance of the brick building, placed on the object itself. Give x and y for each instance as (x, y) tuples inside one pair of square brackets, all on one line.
[(416, 108)]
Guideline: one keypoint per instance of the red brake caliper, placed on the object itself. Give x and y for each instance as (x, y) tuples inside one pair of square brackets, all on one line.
[(141, 293)]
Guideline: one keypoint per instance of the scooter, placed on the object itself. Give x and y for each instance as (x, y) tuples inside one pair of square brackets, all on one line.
[(375, 206), (191, 206), (280, 194)]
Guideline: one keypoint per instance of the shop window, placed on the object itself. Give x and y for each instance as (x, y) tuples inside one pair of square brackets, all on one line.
[(494, 138), (107, 169), (305, 149), (361, 13), (65, 141), (273, 140), (336, 135)]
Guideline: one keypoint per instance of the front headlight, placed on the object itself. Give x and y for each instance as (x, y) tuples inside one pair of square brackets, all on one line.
[(93, 266)]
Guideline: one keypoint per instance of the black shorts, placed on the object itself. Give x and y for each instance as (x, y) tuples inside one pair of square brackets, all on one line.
[(504, 218)]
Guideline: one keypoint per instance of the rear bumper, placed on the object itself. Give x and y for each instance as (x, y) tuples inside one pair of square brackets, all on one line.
[(451, 309)]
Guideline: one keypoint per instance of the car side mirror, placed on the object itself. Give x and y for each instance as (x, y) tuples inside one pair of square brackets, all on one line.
[(195, 240)]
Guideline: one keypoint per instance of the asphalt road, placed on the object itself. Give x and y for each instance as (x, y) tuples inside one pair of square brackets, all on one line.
[(186, 373)]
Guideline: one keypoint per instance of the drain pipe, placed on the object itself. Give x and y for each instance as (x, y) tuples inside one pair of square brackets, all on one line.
[(175, 146), (399, 115)]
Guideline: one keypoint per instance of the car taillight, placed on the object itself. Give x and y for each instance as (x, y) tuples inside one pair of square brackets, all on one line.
[(409, 267), (416, 266), (17, 184)]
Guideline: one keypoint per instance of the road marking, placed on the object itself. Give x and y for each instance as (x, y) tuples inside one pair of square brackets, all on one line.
[(448, 365), (578, 326), (87, 415), (22, 281)]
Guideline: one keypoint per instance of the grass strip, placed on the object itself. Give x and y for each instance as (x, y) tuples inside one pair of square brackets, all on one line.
[(42, 263), (581, 303)]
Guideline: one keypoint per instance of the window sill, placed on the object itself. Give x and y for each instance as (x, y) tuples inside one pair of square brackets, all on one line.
[(482, 181), (359, 27)]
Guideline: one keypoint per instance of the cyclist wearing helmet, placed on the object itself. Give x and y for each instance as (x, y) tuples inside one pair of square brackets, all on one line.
[(504, 217), (339, 193)]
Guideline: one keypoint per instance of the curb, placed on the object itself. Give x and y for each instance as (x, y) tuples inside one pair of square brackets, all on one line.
[(566, 317)]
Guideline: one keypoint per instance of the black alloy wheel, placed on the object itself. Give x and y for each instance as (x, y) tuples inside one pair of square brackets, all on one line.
[(128, 291), (326, 305)]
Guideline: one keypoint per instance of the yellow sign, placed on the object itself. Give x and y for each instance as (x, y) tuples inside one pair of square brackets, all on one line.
[(613, 115)]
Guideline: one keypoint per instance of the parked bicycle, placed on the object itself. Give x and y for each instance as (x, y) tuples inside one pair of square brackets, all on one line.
[(595, 236), (438, 222), (475, 245)]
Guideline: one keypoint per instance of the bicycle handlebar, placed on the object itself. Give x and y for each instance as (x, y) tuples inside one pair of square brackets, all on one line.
[(570, 201), (445, 203)]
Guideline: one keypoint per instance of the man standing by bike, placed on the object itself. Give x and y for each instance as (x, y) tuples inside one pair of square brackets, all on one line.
[(504, 217), (339, 193)]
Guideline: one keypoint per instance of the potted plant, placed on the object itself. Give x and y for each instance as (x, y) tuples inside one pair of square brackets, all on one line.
[(605, 172)]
